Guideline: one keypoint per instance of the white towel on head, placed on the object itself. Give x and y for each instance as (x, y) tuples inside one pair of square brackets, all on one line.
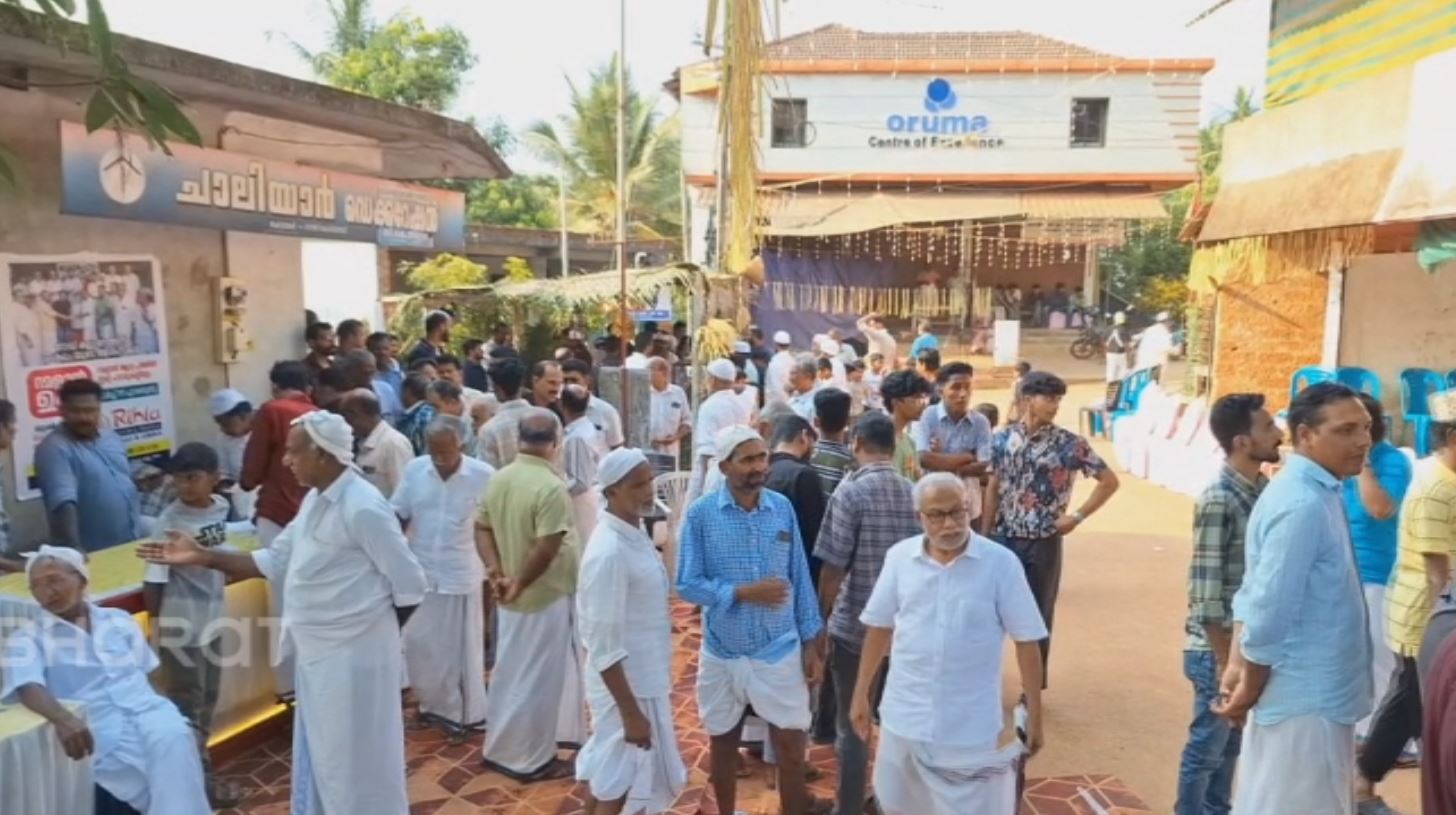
[(71, 557), (330, 432)]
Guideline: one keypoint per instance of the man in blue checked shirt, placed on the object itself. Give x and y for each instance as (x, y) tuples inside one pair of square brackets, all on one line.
[(742, 559)]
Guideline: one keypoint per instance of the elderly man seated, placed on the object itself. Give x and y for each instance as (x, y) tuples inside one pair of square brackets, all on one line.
[(143, 752)]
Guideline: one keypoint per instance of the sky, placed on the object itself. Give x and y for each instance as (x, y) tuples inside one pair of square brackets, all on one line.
[(527, 49)]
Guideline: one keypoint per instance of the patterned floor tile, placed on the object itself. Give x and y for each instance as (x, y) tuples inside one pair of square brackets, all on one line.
[(448, 779)]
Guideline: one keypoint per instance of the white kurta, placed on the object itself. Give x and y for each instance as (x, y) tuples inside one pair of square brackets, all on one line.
[(146, 753), (1154, 346), (444, 644), (345, 565), (622, 604), (581, 452), (721, 409), (382, 457), (776, 378)]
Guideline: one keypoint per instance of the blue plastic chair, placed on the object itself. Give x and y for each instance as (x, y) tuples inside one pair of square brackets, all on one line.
[(1306, 376), (1132, 390), (1363, 380), (1416, 386), (1451, 378)]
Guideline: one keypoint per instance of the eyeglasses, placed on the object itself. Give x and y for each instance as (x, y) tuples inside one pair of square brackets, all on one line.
[(939, 517)]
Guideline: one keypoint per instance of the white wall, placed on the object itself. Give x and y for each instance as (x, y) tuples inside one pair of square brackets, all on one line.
[(1396, 316), (341, 281), (1148, 124)]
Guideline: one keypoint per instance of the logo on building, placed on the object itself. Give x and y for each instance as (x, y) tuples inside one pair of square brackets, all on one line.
[(123, 175), (939, 96)]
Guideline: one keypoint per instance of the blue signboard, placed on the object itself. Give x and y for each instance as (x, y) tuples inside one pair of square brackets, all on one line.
[(110, 175)]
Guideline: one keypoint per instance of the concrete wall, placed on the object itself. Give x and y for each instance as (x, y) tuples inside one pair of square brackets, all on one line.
[(1152, 124), (1396, 316), (1263, 334), (31, 223)]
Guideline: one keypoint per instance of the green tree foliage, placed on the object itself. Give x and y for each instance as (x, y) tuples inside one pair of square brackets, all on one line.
[(583, 145), (401, 60), (118, 97), (517, 269), (447, 271), (521, 200)]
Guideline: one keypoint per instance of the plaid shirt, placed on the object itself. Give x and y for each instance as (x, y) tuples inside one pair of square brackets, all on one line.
[(870, 512), (414, 422), (1220, 520), (724, 546)]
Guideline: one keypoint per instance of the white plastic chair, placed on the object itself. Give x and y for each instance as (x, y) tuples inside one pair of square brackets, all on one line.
[(671, 490)]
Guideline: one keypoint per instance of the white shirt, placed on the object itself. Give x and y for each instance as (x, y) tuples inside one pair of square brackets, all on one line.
[(881, 342), (721, 409), (637, 361), (498, 439), (1154, 346), (382, 457), (581, 451), (622, 604), (803, 404), (838, 377), (441, 517), (230, 455), (604, 416), (777, 377), (670, 411), (950, 625), (343, 561), (749, 398)]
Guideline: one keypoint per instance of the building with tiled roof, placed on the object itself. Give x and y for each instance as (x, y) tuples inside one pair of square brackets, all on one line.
[(841, 42)]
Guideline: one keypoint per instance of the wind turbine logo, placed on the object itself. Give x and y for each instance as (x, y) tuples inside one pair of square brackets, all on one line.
[(939, 96), (123, 178)]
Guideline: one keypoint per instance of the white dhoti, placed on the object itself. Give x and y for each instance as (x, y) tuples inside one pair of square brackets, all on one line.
[(776, 690), (444, 649), (916, 778), (584, 510), (1382, 659), (650, 779), (1116, 367), (153, 765), (282, 663), (1305, 764), (348, 732), (536, 696)]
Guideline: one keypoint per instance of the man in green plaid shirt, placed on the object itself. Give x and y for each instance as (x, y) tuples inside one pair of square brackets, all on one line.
[(1249, 437)]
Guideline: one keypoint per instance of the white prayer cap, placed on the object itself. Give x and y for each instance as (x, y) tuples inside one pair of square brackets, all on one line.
[(729, 438), (828, 347), (722, 369), (225, 401), (617, 464), (330, 433), (65, 554), (1119, 318), (782, 338), (741, 347)]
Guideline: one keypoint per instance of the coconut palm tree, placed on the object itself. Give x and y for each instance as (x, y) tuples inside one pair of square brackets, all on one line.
[(582, 144), (351, 27)]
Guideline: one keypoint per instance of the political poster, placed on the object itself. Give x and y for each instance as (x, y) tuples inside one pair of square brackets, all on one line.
[(85, 316)]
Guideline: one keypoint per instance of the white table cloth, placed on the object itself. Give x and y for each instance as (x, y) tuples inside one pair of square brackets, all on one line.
[(36, 777)]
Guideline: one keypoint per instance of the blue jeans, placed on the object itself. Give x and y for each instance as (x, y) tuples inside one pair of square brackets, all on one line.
[(1206, 776)]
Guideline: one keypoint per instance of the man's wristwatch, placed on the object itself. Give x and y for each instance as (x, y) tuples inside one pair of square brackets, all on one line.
[(1080, 517)]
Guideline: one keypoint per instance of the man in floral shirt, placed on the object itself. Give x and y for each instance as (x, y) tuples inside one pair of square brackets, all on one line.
[(1033, 465)]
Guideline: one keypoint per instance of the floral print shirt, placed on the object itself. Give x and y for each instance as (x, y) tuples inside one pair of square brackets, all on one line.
[(1036, 472)]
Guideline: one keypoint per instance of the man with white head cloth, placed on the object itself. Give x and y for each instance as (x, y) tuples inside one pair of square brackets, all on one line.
[(143, 753), (722, 409), (351, 582), (527, 534), (742, 560), (631, 762), (437, 499), (948, 600)]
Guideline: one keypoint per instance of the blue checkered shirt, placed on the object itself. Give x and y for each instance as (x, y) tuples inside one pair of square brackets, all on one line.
[(724, 546)]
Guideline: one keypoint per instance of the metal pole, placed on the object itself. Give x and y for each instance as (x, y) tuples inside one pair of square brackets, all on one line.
[(565, 235), (720, 219), (625, 319)]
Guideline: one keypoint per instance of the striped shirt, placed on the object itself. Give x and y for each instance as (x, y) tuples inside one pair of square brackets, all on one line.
[(1220, 519), (1427, 527), (870, 512), (725, 546), (831, 460)]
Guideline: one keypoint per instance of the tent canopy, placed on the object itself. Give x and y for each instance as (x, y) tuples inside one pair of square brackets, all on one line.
[(843, 214)]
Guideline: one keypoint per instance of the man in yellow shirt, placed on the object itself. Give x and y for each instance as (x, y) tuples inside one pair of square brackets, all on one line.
[(1422, 574), (526, 535)]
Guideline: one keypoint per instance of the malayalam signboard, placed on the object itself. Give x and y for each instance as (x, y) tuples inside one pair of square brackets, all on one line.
[(86, 316), (108, 174)]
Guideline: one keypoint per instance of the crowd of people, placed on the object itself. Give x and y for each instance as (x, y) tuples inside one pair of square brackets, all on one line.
[(861, 538)]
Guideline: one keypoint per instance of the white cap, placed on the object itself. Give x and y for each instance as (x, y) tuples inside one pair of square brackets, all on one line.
[(330, 433), (722, 369), (65, 554), (828, 346), (224, 401), (782, 338), (1119, 318), (1163, 317), (729, 438), (742, 347), (617, 464)]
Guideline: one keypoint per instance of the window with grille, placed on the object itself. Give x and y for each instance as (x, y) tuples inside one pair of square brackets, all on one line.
[(790, 123), (1089, 122)]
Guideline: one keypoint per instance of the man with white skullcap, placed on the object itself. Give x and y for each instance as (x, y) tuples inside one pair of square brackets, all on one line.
[(351, 581), (742, 559), (142, 751), (776, 378), (722, 409), (631, 762)]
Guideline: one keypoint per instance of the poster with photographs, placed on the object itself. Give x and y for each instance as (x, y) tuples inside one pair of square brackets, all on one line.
[(92, 316)]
